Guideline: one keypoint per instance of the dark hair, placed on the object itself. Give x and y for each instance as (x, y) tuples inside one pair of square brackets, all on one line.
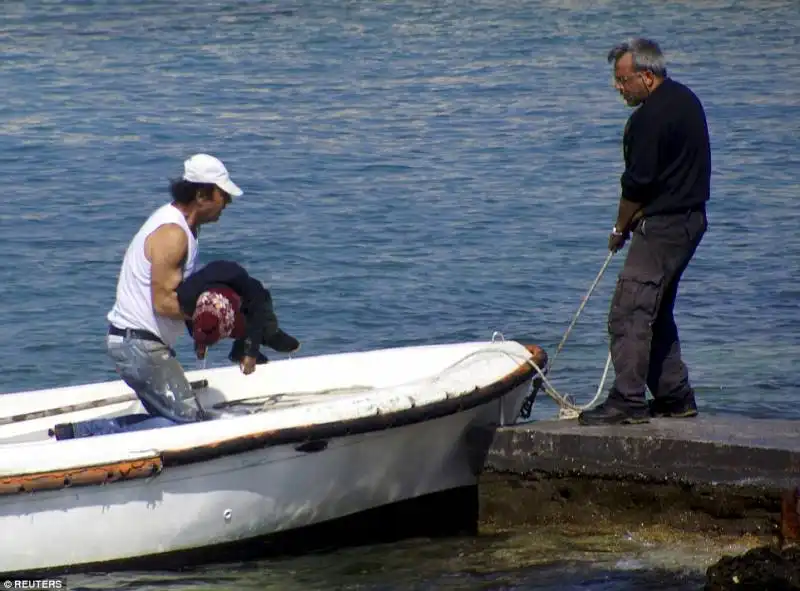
[(186, 191), (647, 56)]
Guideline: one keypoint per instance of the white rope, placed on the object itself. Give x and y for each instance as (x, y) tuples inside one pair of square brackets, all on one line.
[(567, 408), (580, 308)]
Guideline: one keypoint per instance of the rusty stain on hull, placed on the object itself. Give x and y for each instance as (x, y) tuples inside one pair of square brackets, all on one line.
[(91, 475)]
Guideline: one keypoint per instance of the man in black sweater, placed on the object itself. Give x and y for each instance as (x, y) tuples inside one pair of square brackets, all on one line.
[(256, 322), (662, 209)]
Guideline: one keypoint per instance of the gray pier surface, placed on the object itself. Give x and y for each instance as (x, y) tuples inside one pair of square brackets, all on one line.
[(719, 473), (723, 450)]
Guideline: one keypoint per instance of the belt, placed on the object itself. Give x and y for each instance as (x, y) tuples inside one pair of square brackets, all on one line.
[(700, 208), (134, 333)]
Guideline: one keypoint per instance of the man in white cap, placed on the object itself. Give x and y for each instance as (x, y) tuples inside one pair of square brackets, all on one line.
[(146, 318)]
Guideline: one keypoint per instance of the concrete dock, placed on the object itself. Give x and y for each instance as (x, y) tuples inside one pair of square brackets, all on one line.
[(713, 473), (721, 450)]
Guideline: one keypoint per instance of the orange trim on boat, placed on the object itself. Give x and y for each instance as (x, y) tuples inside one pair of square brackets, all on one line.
[(91, 475)]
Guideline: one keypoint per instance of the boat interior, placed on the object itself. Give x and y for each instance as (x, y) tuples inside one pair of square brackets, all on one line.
[(305, 389)]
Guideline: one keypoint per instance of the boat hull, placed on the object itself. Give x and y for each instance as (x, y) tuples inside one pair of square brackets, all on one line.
[(247, 495)]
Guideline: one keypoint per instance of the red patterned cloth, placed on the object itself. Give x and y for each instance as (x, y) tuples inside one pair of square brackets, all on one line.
[(217, 316)]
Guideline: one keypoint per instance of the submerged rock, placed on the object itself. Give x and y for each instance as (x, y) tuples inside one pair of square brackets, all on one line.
[(763, 569)]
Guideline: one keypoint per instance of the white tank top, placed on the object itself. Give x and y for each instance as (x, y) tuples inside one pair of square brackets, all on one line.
[(133, 307)]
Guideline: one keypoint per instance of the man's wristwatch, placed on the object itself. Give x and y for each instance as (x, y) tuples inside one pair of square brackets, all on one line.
[(615, 232)]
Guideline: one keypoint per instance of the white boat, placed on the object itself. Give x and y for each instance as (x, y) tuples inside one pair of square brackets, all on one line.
[(301, 441)]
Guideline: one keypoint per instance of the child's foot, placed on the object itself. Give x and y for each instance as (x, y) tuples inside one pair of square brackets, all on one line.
[(282, 342)]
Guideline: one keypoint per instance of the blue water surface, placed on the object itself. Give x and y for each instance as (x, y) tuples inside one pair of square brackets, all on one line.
[(414, 172)]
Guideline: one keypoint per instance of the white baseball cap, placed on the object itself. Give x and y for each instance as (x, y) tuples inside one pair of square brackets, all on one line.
[(203, 168)]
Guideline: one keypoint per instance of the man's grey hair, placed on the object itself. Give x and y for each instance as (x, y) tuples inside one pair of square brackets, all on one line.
[(647, 56)]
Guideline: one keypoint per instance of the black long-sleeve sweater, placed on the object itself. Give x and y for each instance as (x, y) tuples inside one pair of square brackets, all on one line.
[(667, 152), (261, 322)]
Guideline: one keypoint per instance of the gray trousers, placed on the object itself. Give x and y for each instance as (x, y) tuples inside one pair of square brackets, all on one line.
[(645, 348), (152, 371)]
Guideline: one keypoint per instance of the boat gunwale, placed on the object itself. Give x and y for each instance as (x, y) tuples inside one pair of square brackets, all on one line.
[(304, 437), (106, 473)]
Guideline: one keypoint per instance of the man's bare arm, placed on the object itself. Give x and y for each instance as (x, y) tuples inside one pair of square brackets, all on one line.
[(166, 248)]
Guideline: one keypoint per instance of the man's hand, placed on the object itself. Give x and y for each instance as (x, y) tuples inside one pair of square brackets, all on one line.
[(248, 365), (617, 240), (628, 214)]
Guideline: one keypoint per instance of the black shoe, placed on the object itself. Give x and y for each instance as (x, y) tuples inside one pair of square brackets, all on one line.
[(611, 414), (62, 431), (282, 342), (237, 352), (674, 409)]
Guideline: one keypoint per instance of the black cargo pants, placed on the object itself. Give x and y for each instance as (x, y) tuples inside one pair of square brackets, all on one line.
[(645, 348)]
